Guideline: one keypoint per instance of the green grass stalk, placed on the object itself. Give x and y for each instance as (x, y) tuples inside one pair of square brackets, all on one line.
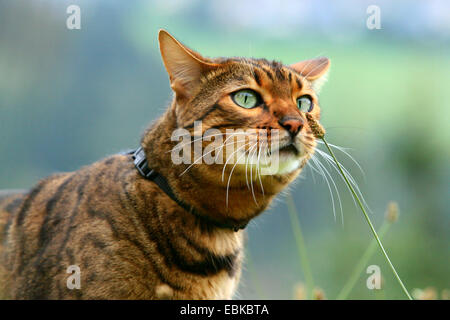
[(300, 241), (362, 263), (377, 238)]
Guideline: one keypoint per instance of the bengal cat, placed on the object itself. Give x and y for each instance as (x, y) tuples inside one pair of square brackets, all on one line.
[(133, 240)]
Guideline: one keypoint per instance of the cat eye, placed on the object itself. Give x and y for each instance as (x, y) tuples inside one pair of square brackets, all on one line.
[(246, 98), (305, 104)]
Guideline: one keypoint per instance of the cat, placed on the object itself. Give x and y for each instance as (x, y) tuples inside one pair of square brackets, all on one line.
[(134, 237)]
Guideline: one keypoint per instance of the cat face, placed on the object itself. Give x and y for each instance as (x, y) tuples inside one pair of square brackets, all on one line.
[(264, 99)]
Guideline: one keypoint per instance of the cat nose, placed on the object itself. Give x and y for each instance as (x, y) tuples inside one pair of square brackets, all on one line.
[(292, 125)]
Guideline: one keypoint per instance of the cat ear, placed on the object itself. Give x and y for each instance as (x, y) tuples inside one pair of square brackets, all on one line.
[(184, 66), (314, 70)]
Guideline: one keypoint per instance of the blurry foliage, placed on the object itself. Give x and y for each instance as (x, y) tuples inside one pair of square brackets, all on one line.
[(68, 98)]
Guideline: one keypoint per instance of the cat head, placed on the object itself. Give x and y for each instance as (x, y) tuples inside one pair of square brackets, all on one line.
[(254, 95)]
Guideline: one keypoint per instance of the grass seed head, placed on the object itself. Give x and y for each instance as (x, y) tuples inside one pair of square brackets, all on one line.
[(392, 212), (300, 292), (318, 294), (428, 293), (316, 127)]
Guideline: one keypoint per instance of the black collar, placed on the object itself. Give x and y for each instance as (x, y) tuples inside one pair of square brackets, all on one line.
[(141, 164)]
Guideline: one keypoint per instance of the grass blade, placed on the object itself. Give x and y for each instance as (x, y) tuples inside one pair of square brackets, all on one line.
[(301, 246), (377, 238)]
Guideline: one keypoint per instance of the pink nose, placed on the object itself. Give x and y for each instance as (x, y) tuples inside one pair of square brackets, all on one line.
[(292, 125)]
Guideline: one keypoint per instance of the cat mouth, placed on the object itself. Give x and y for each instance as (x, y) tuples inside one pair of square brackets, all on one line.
[(289, 148)]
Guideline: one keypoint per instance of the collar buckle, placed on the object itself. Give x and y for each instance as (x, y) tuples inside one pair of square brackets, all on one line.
[(141, 163)]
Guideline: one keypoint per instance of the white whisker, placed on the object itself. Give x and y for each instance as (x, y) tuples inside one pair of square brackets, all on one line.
[(231, 173), (251, 178), (332, 165), (335, 188), (228, 159), (319, 169), (259, 169), (192, 141), (349, 176), (200, 158), (246, 165), (342, 149)]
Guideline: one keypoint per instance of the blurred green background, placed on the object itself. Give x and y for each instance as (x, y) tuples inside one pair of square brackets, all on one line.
[(70, 97)]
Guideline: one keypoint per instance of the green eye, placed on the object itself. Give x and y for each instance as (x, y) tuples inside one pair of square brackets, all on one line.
[(305, 104), (246, 98)]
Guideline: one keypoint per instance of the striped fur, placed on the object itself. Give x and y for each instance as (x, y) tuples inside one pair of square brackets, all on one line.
[(129, 239)]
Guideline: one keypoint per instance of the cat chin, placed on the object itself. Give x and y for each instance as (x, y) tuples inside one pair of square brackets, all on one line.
[(284, 166), (284, 163)]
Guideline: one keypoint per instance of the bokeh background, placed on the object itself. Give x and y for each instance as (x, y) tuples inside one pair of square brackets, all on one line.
[(70, 97)]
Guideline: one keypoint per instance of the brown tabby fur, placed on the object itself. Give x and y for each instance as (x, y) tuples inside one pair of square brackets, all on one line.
[(130, 240)]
